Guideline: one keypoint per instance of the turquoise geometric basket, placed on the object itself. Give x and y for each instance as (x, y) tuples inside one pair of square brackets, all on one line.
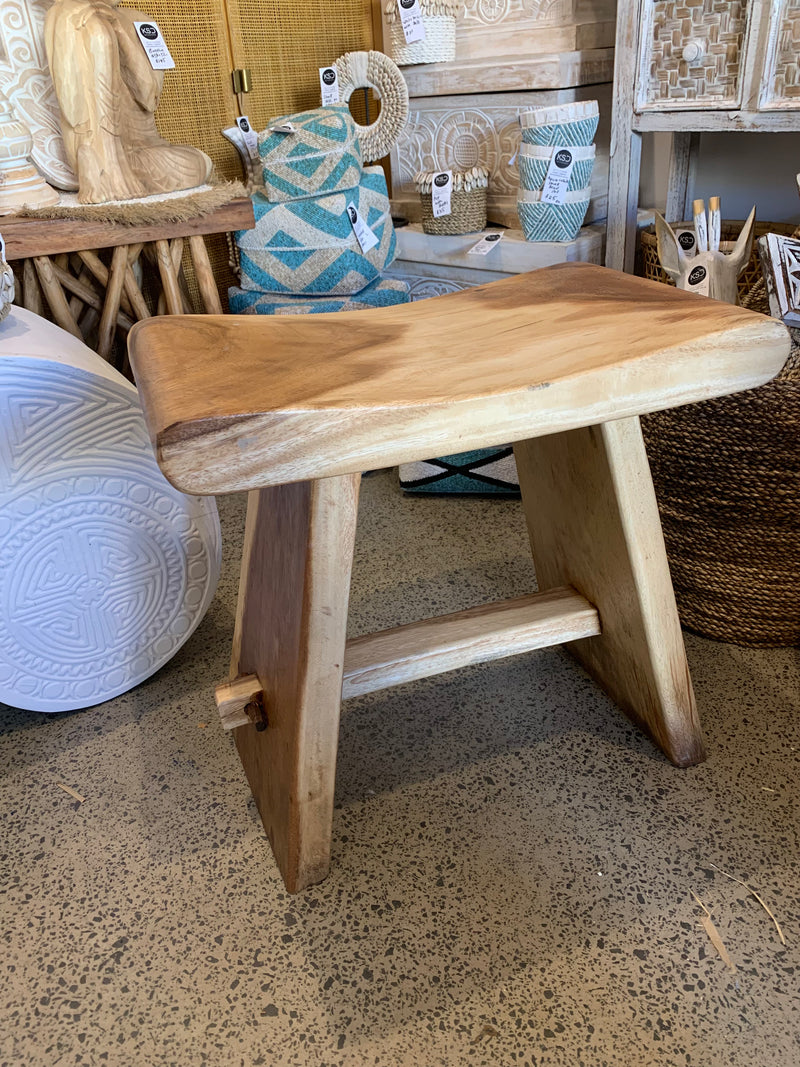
[(534, 162), (552, 222), (562, 124)]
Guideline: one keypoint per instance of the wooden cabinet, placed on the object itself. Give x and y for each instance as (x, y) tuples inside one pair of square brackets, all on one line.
[(690, 66)]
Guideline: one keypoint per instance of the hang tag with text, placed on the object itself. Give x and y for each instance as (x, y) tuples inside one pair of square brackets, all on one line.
[(486, 244), (154, 45), (411, 19), (556, 182), (2, 247), (441, 193), (249, 134), (364, 235), (286, 127), (329, 83), (687, 242), (697, 280)]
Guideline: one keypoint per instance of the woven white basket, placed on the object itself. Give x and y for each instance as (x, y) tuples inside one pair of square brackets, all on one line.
[(439, 45)]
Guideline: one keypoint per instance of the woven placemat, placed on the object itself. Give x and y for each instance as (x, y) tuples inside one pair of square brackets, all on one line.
[(179, 206)]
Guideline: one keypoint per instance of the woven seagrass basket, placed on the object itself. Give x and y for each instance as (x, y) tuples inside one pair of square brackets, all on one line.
[(727, 478), (467, 204)]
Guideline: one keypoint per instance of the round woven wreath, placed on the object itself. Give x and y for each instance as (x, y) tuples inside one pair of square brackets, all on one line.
[(374, 70)]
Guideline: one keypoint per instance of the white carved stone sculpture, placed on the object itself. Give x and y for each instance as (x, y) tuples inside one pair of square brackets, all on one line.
[(6, 289), (108, 93), (21, 185), (712, 272), (105, 569)]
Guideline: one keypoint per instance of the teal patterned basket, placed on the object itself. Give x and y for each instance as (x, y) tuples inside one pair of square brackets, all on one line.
[(321, 155), (562, 124), (552, 222), (384, 293), (308, 247), (534, 162)]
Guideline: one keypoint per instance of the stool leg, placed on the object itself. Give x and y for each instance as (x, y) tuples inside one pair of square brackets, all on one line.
[(594, 524), (290, 632)]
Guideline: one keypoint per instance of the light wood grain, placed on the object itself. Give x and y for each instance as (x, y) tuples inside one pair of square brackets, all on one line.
[(290, 633), (594, 524), (562, 347), (108, 318), (492, 631)]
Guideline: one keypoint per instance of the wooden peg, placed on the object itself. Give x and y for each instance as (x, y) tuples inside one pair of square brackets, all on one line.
[(241, 702)]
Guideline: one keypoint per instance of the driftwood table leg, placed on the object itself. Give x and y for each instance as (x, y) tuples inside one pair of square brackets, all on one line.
[(166, 267), (205, 275), (54, 295), (594, 524), (290, 633), (108, 319)]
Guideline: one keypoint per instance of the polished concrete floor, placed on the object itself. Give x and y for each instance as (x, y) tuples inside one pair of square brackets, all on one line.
[(513, 864)]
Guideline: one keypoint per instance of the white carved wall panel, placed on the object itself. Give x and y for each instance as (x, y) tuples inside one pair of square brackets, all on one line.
[(25, 80), (526, 27)]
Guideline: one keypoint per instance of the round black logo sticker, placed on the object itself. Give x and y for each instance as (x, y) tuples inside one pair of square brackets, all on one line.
[(329, 76), (244, 125), (407, 3), (441, 179), (686, 241), (492, 237), (148, 31), (697, 275), (563, 158), (352, 214)]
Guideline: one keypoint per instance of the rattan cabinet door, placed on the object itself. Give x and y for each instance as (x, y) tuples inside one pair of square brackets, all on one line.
[(692, 54), (285, 42)]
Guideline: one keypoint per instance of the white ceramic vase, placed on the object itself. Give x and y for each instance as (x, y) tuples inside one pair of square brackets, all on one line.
[(105, 569)]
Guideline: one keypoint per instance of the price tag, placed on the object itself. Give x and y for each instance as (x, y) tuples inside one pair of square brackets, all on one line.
[(687, 241), (486, 244), (698, 280), (329, 83), (558, 175), (411, 19), (287, 127), (364, 235), (154, 45), (249, 134), (441, 192), (2, 247)]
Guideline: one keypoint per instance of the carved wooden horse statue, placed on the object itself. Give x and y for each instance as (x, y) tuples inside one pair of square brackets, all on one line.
[(562, 361)]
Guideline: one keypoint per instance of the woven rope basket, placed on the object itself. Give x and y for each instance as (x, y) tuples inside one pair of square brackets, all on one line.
[(727, 478), (439, 46)]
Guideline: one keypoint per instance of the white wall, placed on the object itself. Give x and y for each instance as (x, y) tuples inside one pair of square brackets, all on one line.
[(742, 168)]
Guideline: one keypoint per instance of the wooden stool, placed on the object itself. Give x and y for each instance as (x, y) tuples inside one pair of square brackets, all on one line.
[(563, 361)]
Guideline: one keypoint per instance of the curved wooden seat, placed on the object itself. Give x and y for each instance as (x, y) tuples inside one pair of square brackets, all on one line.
[(238, 402), (561, 362)]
